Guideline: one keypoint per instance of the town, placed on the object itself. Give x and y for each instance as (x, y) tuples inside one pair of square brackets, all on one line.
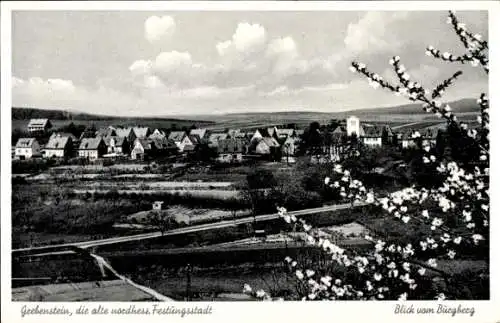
[(231, 146)]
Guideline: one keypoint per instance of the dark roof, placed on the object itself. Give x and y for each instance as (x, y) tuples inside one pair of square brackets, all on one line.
[(339, 132), (200, 132), (216, 137), (195, 139), (424, 133), (177, 135), (264, 132), (90, 143), (87, 134), (163, 143), (373, 131), (232, 145)]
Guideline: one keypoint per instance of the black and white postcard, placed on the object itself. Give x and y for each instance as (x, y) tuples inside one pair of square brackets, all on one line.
[(223, 160)]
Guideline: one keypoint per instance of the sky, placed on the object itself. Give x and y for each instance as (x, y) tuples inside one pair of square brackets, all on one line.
[(134, 63)]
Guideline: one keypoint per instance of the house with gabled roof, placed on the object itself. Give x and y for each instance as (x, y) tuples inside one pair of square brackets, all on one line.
[(189, 143), (143, 149), (264, 146), (157, 134), (39, 126), (126, 132), (411, 137), (231, 150), (429, 136), (259, 134), (142, 132), (372, 136), (117, 145), (92, 148), (27, 148), (214, 138), (164, 146), (177, 137), (60, 146)]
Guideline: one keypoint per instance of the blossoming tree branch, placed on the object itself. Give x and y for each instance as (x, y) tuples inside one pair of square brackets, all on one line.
[(456, 214)]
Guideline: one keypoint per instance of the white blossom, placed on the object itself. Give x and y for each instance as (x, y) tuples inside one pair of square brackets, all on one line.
[(477, 237), (247, 288), (440, 297)]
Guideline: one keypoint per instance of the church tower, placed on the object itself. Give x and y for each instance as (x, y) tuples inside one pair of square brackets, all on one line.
[(352, 126)]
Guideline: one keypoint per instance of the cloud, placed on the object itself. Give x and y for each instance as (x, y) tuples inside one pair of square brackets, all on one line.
[(247, 39), (374, 32), (141, 67), (170, 61), (283, 52), (39, 86), (156, 28), (284, 90), (252, 70)]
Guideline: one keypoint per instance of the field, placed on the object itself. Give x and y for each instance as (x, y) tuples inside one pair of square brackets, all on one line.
[(189, 215), (99, 123)]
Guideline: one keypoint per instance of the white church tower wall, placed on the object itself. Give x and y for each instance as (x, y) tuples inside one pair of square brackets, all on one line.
[(352, 126)]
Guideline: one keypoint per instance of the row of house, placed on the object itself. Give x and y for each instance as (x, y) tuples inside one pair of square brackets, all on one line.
[(140, 143)]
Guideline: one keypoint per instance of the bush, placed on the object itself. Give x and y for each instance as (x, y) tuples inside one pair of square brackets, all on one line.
[(32, 165), (107, 162)]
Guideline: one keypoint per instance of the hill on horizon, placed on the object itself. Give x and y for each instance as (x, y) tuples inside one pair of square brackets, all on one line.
[(408, 113), (22, 113)]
